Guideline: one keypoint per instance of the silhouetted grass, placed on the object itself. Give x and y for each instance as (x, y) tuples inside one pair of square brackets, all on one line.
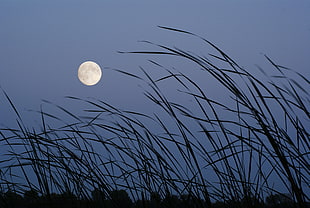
[(207, 151)]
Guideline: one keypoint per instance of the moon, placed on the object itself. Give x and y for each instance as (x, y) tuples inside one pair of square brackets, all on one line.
[(89, 73)]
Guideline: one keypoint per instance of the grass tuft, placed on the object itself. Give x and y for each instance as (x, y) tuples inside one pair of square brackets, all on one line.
[(248, 147)]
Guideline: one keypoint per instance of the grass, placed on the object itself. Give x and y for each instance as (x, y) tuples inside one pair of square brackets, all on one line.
[(237, 153)]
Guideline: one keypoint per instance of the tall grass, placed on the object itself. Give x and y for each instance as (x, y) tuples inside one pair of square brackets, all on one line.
[(243, 150)]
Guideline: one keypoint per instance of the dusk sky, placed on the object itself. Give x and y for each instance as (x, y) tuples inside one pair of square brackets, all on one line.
[(42, 43)]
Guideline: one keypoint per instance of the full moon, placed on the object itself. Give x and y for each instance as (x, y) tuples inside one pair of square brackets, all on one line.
[(89, 73)]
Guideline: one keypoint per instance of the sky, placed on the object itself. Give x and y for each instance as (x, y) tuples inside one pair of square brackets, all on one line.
[(42, 43)]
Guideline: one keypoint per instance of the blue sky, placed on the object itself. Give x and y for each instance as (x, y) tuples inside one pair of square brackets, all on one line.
[(42, 43)]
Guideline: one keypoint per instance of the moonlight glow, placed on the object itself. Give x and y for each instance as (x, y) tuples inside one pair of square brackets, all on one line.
[(89, 73)]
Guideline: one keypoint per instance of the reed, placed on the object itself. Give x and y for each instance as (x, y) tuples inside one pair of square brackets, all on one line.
[(236, 152)]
